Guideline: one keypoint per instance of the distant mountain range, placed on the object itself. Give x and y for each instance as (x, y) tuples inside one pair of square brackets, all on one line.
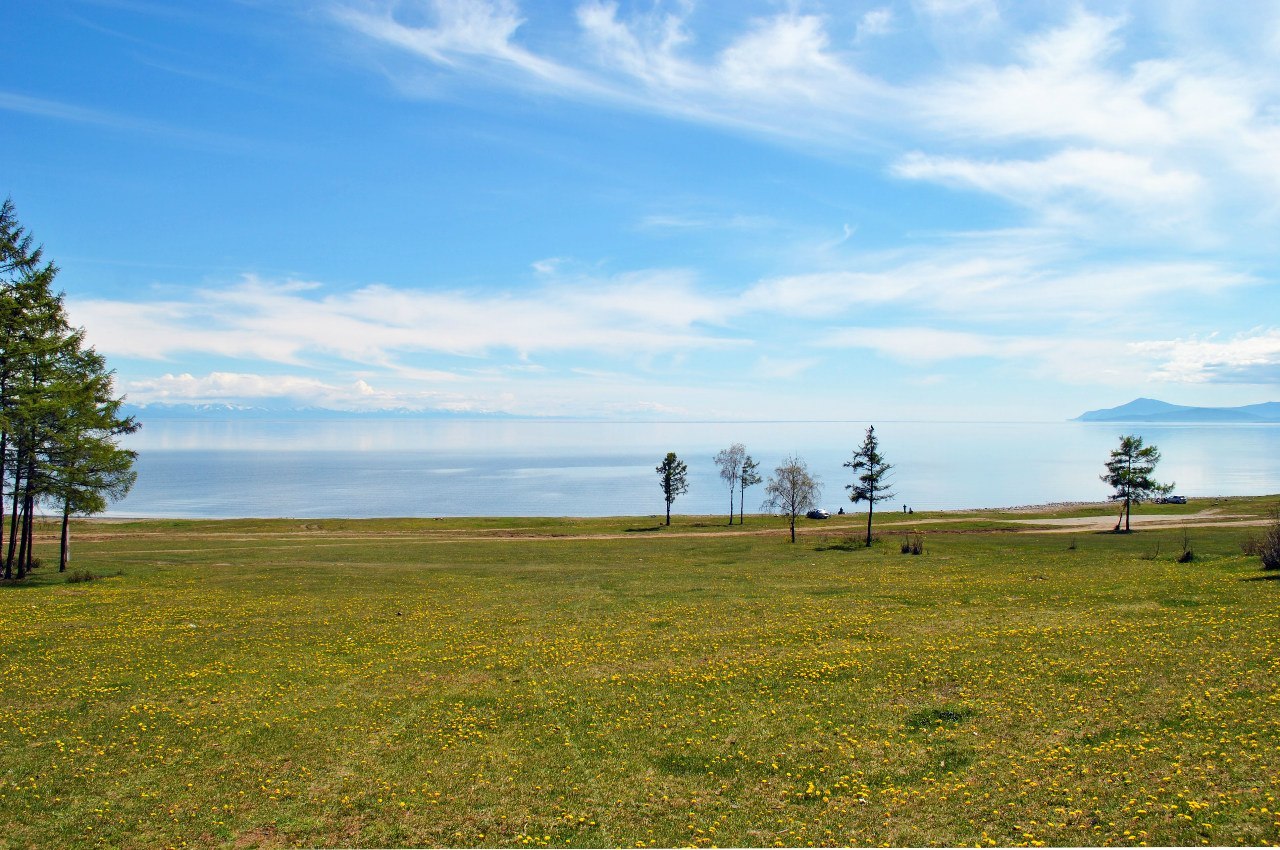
[(1154, 410), (151, 412)]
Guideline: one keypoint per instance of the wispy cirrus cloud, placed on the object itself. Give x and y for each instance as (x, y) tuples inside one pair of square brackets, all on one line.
[(646, 61), (1179, 128), (58, 110), (1125, 180), (994, 285), (462, 35)]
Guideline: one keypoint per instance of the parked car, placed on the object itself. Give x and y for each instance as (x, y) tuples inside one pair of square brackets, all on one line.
[(1176, 500), (818, 513)]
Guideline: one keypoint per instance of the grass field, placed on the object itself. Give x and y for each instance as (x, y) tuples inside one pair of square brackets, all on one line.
[(611, 682)]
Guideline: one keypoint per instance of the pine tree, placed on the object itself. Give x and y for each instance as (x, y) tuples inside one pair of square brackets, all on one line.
[(872, 471), (672, 474), (85, 466), (59, 419), (1129, 474)]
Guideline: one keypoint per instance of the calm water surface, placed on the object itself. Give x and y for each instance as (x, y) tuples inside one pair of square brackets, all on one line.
[(358, 468)]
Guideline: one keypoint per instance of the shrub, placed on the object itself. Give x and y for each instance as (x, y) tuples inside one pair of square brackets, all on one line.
[(1267, 547), (1187, 555), (78, 576)]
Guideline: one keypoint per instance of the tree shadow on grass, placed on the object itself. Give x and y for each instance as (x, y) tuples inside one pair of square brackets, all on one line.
[(1268, 577), (30, 582), (646, 528), (842, 546)]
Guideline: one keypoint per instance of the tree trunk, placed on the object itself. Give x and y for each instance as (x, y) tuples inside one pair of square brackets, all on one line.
[(29, 508), (742, 498), (13, 525), (1128, 508), (871, 506), (4, 452), (22, 541), (64, 548), (730, 504), (793, 528), (668, 513), (31, 531)]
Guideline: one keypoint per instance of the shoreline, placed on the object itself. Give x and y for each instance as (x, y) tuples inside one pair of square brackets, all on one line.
[(885, 513)]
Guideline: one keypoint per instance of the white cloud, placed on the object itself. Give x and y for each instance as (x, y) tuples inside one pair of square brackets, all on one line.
[(639, 313), (875, 22), (951, 9), (1061, 90), (462, 34), (1249, 358), (929, 345), (783, 368), (779, 75), (1088, 116), (695, 221), (1084, 360), (233, 386), (434, 391), (990, 283), (1122, 179), (61, 111)]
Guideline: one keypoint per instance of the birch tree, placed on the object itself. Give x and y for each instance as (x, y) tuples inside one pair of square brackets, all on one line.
[(730, 463), (792, 491), (748, 477)]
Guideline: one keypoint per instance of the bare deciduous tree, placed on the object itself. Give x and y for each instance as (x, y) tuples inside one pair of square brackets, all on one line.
[(730, 462), (791, 491)]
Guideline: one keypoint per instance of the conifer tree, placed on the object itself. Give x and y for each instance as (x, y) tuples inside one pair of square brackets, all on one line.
[(872, 471), (59, 419), (1129, 474), (672, 475)]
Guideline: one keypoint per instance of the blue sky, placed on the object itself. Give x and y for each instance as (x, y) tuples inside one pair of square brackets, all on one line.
[(884, 210)]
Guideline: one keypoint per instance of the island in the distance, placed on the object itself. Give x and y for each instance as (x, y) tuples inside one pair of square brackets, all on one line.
[(1154, 410)]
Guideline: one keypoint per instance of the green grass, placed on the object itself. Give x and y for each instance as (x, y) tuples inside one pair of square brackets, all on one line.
[(542, 682)]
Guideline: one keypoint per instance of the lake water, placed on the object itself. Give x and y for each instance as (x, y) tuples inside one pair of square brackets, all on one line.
[(422, 468)]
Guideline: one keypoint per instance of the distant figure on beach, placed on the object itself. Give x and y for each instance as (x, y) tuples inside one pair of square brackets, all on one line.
[(904, 509), (840, 512)]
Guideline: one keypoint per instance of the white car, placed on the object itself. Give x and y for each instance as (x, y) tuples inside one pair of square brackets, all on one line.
[(818, 513)]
